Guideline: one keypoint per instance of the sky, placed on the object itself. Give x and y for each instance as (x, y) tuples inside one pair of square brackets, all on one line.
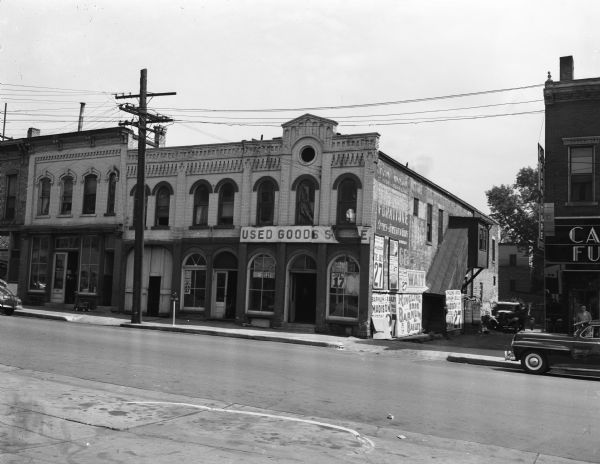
[(359, 63)]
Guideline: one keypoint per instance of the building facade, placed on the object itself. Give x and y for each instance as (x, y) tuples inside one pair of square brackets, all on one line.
[(313, 229), (571, 196), (73, 219), (310, 228)]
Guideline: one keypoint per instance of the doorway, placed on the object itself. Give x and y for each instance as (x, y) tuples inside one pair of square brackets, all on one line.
[(153, 307), (303, 296), (220, 294), (71, 277), (58, 277)]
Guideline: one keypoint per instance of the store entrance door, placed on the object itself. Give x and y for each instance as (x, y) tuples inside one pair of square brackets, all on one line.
[(58, 277), (303, 302)]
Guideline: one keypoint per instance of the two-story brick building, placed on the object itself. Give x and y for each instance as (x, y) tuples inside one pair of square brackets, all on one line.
[(572, 195), (72, 221), (313, 227)]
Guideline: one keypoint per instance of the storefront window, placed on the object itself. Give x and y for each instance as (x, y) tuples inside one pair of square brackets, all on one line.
[(88, 274), (344, 285), (38, 274), (261, 293), (194, 282)]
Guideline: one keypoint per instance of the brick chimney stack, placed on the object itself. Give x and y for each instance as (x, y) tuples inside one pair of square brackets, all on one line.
[(566, 68), (33, 132), (160, 136)]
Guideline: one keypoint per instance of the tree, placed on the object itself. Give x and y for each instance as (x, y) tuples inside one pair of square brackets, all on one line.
[(516, 208)]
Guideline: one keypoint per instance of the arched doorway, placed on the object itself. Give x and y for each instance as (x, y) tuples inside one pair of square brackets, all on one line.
[(302, 306), (224, 286), (193, 283)]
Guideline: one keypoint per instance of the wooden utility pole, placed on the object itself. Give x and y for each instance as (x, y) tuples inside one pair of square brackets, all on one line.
[(140, 189)]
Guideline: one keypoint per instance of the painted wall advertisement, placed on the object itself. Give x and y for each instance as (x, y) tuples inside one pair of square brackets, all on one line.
[(378, 262), (454, 306), (381, 316)]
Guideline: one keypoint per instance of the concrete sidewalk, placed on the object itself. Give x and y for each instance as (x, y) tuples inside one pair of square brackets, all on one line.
[(473, 348)]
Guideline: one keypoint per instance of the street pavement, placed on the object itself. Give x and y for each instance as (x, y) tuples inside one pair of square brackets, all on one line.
[(56, 419), (471, 347)]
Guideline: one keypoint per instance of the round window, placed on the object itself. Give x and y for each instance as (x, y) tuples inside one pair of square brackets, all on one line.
[(308, 154)]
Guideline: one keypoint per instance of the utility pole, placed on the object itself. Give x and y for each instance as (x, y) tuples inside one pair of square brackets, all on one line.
[(140, 190)]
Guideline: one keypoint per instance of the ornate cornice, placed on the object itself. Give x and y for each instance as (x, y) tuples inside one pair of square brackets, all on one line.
[(52, 157)]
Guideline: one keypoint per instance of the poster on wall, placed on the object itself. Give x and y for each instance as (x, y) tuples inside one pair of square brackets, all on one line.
[(381, 316), (454, 314), (393, 265), (409, 314), (378, 262)]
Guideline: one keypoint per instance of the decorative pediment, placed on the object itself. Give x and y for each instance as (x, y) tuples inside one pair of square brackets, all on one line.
[(308, 125)]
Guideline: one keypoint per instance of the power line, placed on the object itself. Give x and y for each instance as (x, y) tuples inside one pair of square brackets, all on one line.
[(365, 105)]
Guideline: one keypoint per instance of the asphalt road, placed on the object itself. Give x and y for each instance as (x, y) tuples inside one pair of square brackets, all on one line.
[(552, 415)]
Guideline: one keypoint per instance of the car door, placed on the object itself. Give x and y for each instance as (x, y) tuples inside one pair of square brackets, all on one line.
[(586, 348)]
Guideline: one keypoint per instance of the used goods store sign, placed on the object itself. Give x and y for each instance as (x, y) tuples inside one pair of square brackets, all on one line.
[(312, 234)]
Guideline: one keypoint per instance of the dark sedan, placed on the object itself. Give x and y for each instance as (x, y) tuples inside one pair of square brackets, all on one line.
[(539, 351), (8, 300)]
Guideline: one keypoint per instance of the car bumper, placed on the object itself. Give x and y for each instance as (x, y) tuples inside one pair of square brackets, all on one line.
[(509, 355)]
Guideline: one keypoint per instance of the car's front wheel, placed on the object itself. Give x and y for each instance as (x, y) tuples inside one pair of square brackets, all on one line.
[(534, 362)]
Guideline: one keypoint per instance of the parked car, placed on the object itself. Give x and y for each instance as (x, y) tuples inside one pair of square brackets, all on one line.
[(8, 300), (506, 316), (539, 351)]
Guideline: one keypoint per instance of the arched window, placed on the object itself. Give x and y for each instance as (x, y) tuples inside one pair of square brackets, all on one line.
[(112, 189), (265, 203), (66, 200), (305, 203), (346, 203), (201, 195), (226, 201), (90, 184), (194, 282), (163, 201), (44, 197), (344, 285), (261, 288)]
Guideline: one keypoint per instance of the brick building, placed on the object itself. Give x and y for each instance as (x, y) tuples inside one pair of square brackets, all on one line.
[(14, 162), (312, 228), (72, 216), (571, 194)]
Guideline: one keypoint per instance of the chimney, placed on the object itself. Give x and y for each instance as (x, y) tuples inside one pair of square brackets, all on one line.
[(33, 132), (566, 68), (160, 136)]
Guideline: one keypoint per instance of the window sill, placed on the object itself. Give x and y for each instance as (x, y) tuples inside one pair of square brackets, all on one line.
[(224, 226), (88, 215), (109, 214), (42, 216), (581, 203), (64, 216), (160, 227), (199, 227)]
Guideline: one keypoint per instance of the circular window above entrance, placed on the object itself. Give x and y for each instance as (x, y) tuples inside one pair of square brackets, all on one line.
[(308, 154)]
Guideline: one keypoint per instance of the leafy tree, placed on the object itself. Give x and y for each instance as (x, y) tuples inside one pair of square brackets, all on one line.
[(516, 208)]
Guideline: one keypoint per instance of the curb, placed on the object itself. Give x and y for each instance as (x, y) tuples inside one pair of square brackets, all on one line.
[(482, 361), (268, 338), (54, 317)]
